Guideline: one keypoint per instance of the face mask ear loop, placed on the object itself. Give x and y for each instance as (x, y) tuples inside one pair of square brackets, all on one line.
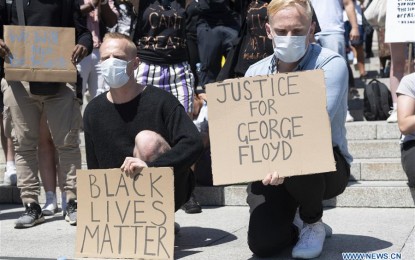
[(132, 72)]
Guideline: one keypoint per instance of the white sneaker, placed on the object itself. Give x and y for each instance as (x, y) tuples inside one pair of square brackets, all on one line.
[(10, 177), (51, 206), (349, 117), (354, 61), (298, 222), (311, 240), (393, 118)]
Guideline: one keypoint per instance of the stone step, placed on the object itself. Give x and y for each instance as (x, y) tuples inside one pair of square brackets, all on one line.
[(372, 130), (374, 194), (374, 149), (385, 169)]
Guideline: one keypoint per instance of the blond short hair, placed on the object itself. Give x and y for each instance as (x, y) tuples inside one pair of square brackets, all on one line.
[(276, 5), (131, 48)]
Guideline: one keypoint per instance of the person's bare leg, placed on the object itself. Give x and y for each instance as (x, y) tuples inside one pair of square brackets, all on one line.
[(8, 149), (398, 57), (148, 146), (47, 166), (360, 54)]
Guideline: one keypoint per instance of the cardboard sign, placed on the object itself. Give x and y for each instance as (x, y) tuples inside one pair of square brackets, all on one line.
[(400, 21), (39, 53), (262, 124), (122, 216)]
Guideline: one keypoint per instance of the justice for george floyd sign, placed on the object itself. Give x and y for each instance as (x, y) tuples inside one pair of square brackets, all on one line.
[(38, 53), (122, 216), (262, 124)]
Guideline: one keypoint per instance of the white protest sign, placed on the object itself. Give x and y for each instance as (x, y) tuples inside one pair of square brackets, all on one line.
[(400, 21)]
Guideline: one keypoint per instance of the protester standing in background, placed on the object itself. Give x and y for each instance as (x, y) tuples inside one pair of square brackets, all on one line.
[(330, 16), (26, 101), (100, 14)]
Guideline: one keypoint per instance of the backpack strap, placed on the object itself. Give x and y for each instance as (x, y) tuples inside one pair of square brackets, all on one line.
[(371, 97), (20, 12), (385, 100)]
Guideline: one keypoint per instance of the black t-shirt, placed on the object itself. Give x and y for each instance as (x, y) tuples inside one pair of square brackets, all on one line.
[(40, 13), (217, 12), (192, 17), (255, 45), (161, 32)]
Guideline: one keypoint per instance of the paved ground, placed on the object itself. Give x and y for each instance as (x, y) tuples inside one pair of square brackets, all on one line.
[(220, 233)]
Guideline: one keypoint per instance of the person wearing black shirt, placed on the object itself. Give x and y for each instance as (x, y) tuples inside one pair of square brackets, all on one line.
[(26, 101), (217, 28), (161, 46), (118, 124)]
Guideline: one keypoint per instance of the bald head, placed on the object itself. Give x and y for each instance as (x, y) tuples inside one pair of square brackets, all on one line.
[(118, 41)]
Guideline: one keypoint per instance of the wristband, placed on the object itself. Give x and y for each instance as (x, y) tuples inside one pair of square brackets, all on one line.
[(104, 2)]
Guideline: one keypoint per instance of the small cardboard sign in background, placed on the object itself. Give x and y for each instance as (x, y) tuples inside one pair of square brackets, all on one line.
[(263, 124), (122, 216), (41, 54), (400, 21)]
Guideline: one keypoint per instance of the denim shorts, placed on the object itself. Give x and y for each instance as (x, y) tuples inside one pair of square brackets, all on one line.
[(347, 30)]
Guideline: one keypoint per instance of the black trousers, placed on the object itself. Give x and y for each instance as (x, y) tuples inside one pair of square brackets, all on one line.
[(184, 184), (272, 208), (408, 162)]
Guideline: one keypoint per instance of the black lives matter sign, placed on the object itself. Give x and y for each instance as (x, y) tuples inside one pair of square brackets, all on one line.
[(122, 216)]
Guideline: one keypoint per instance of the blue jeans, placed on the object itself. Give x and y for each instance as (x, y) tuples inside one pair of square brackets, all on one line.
[(334, 42)]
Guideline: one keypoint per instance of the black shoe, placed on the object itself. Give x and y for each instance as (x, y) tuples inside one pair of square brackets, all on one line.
[(32, 216), (363, 77), (369, 55), (71, 209), (192, 206)]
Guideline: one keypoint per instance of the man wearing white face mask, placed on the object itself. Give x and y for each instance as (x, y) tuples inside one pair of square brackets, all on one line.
[(273, 201), (133, 126)]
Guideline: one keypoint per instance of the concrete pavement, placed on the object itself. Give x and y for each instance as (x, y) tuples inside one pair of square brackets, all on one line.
[(220, 233)]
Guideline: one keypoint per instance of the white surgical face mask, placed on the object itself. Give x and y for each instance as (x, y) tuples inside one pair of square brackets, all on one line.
[(290, 49), (114, 72)]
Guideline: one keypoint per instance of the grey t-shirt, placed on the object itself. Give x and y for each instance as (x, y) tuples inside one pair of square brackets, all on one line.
[(407, 88)]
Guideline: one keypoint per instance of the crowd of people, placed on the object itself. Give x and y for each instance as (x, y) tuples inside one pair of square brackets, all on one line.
[(143, 66)]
